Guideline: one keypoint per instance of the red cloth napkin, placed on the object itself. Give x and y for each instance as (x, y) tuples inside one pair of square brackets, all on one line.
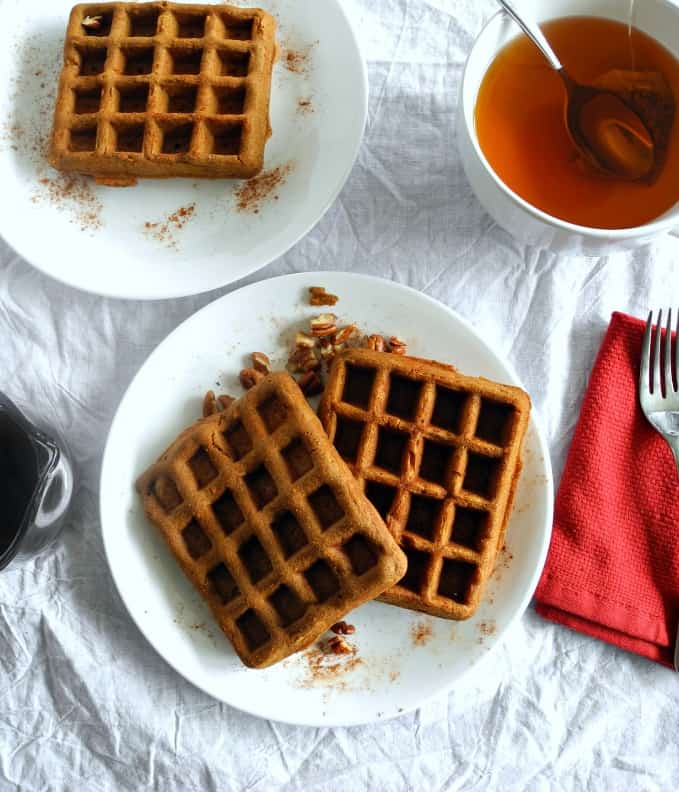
[(613, 565)]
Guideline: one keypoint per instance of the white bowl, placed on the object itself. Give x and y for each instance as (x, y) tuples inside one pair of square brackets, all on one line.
[(658, 18)]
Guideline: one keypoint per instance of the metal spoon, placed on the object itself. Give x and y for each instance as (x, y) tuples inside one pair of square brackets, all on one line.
[(602, 122)]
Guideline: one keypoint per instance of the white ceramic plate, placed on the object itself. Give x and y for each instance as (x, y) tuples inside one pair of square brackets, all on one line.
[(405, 657), (97, 239)]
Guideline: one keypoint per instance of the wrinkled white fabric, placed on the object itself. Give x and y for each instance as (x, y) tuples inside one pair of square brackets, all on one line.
[(87, 704)]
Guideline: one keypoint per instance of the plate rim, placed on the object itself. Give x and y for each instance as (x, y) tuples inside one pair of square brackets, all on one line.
[(534, 424), (14, 239)]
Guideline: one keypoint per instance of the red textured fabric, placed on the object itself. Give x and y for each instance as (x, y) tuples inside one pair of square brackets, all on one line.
[(613, 564)]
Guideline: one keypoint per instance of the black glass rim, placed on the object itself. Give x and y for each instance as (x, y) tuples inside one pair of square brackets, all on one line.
[(47, 456)]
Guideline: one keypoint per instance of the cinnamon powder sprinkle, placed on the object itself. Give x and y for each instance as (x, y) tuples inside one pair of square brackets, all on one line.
[(297, 61), (74, 194), (164, 231), (420, 633), (503, 562), (327, 669), (253, 193), (304, 106), (487, 628)]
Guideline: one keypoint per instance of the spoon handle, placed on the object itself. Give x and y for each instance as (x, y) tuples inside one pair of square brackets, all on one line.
[(531, 29)]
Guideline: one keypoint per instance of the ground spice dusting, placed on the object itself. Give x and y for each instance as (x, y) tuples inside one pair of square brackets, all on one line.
[(27, 133), (503, 562), (326, 669), (297, 61), (293, 61), (68, 192), (420, 633), (304, 106), (506, 557), (487, 628), (164, 231), (253, 193)]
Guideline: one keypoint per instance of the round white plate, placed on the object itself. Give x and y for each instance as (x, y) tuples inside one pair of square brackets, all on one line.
[(405, 657), (97, 238)]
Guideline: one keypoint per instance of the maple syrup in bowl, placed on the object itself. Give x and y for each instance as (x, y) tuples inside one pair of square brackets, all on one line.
[(514, 143)]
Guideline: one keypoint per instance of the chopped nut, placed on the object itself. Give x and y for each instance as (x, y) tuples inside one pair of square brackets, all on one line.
[(304, 340), (319, 296), (213, 405), (303, 359), (210, 404), (339, 646), (249, 377), (397, 346), (225, 401), (261, 362), (345, 333), (326, 348), (92, 22), (376, 343), (324, 325), (342, 628), (310, 384)]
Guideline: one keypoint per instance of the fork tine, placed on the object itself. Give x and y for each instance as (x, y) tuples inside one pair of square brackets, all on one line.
[(644, 372), (669, 383), (656, 382)]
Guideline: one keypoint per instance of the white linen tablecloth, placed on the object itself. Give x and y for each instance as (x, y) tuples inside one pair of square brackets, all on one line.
[(87, 704)]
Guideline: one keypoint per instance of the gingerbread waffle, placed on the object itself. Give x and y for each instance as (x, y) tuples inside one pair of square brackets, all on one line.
[(438, 455), (268, 523), (162, 90)]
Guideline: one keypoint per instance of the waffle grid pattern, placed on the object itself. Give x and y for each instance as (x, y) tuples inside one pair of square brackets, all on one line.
[(438, 454), (268, 523), (161, 89)]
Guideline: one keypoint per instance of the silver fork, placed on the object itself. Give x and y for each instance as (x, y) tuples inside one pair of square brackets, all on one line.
[(661, 404)]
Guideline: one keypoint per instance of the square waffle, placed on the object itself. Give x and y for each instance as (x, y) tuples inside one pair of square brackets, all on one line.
[(268, 523), (438, 455), (162, 90)]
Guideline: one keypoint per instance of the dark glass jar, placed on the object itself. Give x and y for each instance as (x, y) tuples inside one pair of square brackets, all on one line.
[(36, 485)]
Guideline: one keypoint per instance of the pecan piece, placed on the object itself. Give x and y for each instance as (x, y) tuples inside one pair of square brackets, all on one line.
[(260, 362), (376, 343), (339, 646), (210, 404), (310, 384), (327, 349), (249, 377), (92, 22), (225, 401), (397, 346), (324, 325), (342, 628), (319, 296), (304, 340), (345, 333), (213, 404), (303, 359)]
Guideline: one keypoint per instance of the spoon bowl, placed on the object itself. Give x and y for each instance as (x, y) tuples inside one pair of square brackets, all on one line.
[(621, 123), (610, 135)]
